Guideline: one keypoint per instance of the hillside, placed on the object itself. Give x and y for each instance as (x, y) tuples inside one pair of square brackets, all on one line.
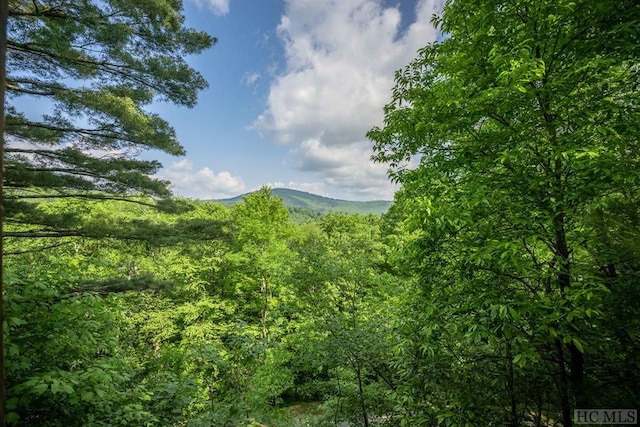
[(320, 204)]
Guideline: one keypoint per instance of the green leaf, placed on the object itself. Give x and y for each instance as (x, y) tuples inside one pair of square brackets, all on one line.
[(12, 403), (86, 396), (41, 388), (578, 345)]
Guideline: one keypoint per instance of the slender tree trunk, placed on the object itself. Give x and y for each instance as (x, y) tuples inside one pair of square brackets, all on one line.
[(363, 405), (356, 363), (511, 387), (572, 381), (563, 383), (4, 13), (576, 358), (539, 409), (576, 369), (575, 362), (265, 304), (335, 414), (562, 249)]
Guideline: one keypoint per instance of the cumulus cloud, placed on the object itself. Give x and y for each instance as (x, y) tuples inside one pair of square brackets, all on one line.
[(341, 56), (347, 167), (202, 184), (218, 7)]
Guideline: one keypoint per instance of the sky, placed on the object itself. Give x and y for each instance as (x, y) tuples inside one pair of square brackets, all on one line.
[(294, 86)]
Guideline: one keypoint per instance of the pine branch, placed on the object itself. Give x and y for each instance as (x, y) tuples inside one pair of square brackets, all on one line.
[(41, 248), (78, 196)]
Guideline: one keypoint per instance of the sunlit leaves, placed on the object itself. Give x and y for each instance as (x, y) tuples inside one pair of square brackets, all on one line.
[(506, 135)]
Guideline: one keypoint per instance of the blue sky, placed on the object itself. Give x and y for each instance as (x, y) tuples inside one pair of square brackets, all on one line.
[(294, 87)]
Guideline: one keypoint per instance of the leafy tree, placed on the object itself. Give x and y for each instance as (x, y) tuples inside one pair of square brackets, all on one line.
[(261, 254), (180, 330), (62, 375), (343, 335), (524, 123)]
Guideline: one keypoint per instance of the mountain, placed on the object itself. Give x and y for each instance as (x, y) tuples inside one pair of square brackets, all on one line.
[(295, 199)]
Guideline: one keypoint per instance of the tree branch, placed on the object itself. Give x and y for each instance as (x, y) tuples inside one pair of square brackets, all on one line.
[(42, 248), (78, 196)]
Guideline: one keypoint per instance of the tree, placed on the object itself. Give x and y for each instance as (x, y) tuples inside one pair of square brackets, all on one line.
[(92, 66), (4, 12), (524, 120), (344, 296), (262, 226), (62, 375)]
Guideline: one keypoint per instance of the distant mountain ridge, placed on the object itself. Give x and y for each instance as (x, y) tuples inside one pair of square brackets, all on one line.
[(319, 204)]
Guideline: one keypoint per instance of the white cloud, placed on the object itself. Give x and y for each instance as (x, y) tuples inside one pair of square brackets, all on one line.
[(26, 144), (347, 168), (250, 78), (202, 184), (87, 149), (341, 56), (218, 7)]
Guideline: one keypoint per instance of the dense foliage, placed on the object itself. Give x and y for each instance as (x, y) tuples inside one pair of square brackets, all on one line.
[(230, 330), (522, 212), (501, 288)]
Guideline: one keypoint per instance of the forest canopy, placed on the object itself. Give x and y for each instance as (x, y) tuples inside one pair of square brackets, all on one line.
[(501, 287)]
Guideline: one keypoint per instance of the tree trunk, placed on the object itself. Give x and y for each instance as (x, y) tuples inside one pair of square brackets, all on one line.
[(576, 358), (576, 370), (4, 13), (363, 406), (265, 303), (514, 422), (563, 385)]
